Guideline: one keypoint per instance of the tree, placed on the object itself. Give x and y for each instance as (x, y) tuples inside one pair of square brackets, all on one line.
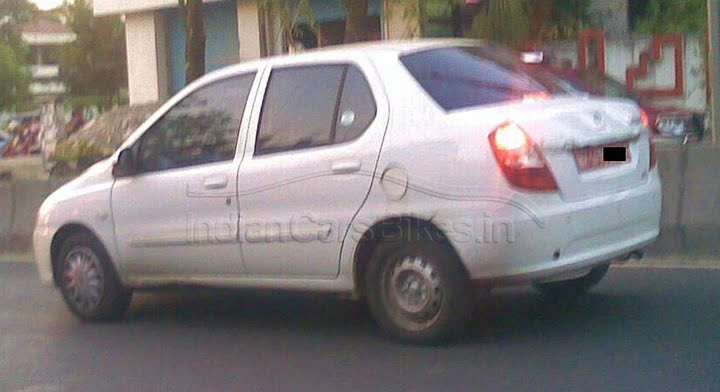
[(95, 64), (14, 78), (523, 24), (504, 21), (666, 16), (13, 14), (441, 18), (294, 20), (552, 20), (193, 14), (356, 21)]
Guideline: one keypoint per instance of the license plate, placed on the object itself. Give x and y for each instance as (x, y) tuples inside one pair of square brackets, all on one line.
[(601, 157)]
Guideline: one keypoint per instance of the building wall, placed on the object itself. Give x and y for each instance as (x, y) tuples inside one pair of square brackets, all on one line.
[(44, 63), (612, 15), (620, 54), (327, 10), (142, 56), (117, 7), (221, 45), (248, 25), (155, 37)]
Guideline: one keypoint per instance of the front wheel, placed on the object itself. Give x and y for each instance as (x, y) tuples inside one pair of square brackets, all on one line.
[(575, 286), (418, 291), (89, 284)]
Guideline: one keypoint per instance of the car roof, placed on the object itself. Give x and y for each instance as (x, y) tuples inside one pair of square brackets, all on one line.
[(373, 48), (398, 46)]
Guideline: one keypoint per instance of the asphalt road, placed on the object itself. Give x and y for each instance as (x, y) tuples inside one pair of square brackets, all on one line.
[(640, 330)]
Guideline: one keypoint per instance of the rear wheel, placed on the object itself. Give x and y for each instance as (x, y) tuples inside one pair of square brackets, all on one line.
[(418, 291), (89, 284), (575, 286)]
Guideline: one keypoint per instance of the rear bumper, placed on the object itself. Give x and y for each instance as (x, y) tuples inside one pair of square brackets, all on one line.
[(558, 237), (557, 271)]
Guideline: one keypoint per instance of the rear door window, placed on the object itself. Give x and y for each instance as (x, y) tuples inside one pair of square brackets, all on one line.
[(299, 108), (313, 106), (357, 107)]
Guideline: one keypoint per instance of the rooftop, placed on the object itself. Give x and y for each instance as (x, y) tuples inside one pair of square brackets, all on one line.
[(46, 31), (45, 25)]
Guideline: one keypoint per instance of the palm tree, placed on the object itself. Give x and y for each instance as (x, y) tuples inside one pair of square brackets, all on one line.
[(356, 21), (192, 12)]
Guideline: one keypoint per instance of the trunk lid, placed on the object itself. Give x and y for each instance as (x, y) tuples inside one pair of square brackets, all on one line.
[(565, 129)]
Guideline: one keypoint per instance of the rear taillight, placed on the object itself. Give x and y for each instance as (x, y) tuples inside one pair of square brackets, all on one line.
[(520, 161), (645, 118), (646, 122), (653, 154)]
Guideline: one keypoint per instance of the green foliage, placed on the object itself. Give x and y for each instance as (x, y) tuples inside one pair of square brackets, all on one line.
[(78, 155), (504, 21), (666, 16), (13, 14), (95, 64), (564, 20), (523, 24), (439, 18), (14, 78)]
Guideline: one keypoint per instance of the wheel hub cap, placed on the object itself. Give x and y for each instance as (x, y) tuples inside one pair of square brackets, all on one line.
[(414, 288), (83, 279)]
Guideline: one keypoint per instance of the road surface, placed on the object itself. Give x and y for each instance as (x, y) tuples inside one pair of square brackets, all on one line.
[(639, 330)]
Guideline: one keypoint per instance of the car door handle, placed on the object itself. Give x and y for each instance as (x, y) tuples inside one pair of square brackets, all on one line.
[(345, 167), (219, 182)]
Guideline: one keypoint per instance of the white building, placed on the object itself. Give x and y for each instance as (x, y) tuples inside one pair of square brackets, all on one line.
[(240, 30), (236, 30), (45, 37)]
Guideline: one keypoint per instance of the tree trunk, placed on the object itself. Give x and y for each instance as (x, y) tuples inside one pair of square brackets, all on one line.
[(356, 22), (195, 40)]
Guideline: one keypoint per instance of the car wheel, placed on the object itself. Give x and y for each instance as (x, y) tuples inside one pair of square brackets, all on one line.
[(88, 281), (418, 291), (573, 286)]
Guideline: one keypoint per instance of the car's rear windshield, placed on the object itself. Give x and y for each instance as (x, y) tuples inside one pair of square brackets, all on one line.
[(461, 77)]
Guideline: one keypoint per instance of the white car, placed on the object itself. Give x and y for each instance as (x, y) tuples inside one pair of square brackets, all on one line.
[(402, 173)]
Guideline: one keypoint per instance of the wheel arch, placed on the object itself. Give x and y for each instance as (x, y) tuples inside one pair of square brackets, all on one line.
[(407, 227), (63, 234)]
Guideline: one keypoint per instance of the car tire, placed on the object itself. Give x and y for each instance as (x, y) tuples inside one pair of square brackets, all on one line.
[(575, 286), (418, 291), (88, 281)]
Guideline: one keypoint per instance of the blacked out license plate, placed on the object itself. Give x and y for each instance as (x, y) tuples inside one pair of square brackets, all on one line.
[(600, 157)]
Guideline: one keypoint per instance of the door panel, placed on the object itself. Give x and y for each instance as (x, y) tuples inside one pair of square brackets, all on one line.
[(297, 199), (178, 217), (171, 223)]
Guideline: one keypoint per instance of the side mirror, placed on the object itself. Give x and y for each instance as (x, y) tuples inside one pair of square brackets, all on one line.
[(125, 165)]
